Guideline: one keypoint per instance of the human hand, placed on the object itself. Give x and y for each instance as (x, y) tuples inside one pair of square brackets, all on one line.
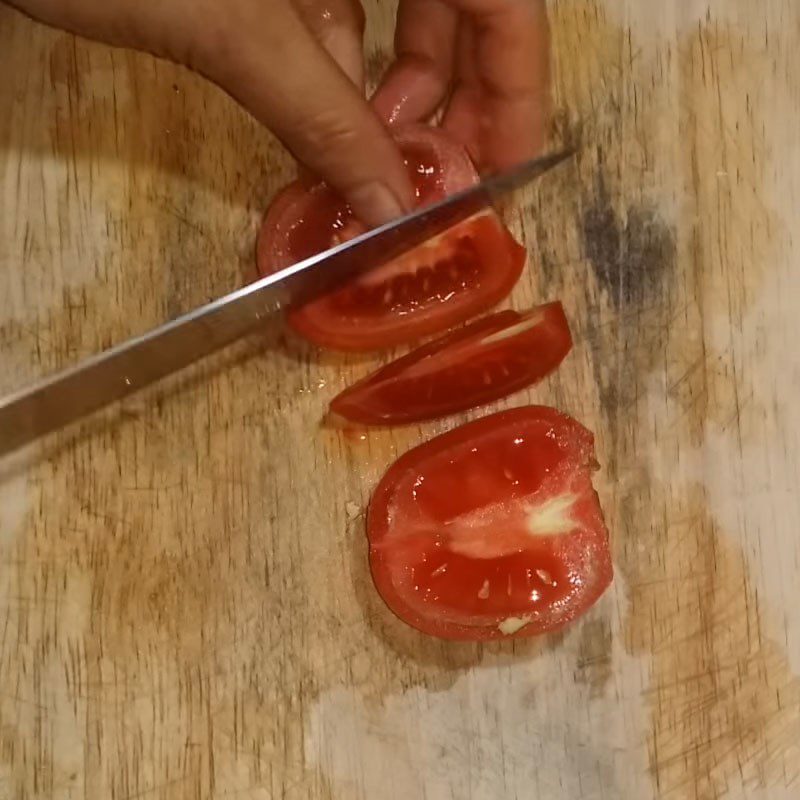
[(296, 65), (488, 60)]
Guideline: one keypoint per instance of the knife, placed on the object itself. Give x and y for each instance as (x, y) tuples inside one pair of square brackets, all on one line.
[(116, 373)]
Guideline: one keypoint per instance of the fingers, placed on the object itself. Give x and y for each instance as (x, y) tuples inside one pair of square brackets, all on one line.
[(271, 63), (338, 25), (500, 101), (419, 79), (493, 53)]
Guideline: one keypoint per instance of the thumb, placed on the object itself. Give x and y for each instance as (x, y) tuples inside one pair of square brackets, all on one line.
[(285, 78)]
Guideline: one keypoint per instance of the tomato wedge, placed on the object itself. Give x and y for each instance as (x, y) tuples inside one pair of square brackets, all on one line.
[(484, 361), (444, 282), (492, 530)]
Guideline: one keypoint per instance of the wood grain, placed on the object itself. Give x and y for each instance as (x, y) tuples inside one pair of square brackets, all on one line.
[(185, 607)]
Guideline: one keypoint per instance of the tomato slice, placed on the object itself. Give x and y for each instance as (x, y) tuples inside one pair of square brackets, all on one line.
[(484, 361), (438, 285), (493, 529)]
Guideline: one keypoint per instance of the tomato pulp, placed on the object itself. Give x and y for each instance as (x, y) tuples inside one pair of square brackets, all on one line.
[(438, 285), (484, 361), (493, 529)]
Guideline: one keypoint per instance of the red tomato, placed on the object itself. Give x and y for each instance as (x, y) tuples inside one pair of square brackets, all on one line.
[(492, 529), (484, 361), (440, 284)]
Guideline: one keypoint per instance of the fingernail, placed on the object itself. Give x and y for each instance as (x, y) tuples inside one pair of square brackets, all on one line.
[(375, 203)]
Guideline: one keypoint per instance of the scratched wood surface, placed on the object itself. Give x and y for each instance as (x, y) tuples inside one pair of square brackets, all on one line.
[(185, 607)]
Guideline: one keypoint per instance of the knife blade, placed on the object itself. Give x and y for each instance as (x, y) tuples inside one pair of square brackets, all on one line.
[(74, 393)]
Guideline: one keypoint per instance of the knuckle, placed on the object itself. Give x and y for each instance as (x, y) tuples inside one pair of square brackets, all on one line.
[(330, 130)]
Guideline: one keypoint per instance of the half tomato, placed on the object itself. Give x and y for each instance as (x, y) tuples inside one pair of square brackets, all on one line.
[(493, 529), (442, 283)]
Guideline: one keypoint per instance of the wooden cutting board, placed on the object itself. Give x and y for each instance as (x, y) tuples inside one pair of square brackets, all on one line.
[(185, 606)]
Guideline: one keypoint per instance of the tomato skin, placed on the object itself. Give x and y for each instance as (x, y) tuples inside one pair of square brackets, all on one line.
[(464, 369), (442, 283), (582, 554)]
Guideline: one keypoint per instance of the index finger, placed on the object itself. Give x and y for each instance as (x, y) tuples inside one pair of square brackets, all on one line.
[(500, 100)]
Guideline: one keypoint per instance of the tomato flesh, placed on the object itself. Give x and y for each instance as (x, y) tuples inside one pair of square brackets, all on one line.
[(493, 529), (484, 361), (499, 590), (437, 285), (327, 220)]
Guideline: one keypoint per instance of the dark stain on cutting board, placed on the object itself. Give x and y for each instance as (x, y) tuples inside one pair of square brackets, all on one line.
[(632, 253)]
